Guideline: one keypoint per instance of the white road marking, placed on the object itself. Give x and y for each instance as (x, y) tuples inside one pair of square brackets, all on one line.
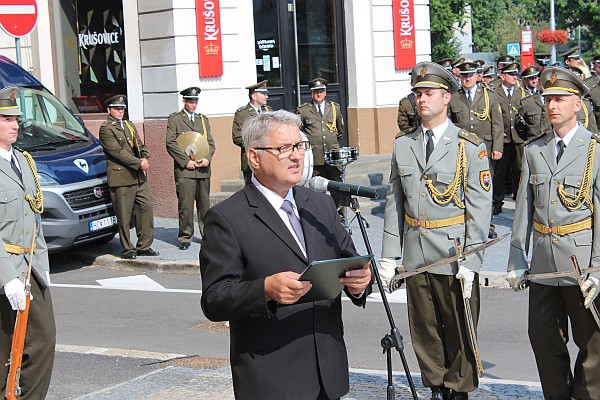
[(139, 282), (131, 289)]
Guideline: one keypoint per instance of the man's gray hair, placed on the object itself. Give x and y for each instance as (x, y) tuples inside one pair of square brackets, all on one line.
[(255, 130)]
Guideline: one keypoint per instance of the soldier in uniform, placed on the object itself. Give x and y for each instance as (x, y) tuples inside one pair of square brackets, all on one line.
[(408, 116), (593, 82), (258, 95), (475, 108), (508, 168), (501, 62), (542, 60), (487, 75), (446, 63), (20, 211), (480, 64), (559, 199), (531, 117), (323, 124), (572, 58), (127, 166), (192, 177), (428, 205), (585, 116)]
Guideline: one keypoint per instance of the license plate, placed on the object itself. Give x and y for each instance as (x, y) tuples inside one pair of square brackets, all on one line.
[(102, 223)]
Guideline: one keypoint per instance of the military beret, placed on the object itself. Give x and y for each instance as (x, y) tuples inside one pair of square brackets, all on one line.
[(317, 84), (446, 63), (488, 71), (505, 60), (559, 81), (530, 72), (191, 93), (259, 87), (542, 59), (8, 101), (510, 68), (468, 66), (431, 75), (573, 53), (576, 71), (118, 101)]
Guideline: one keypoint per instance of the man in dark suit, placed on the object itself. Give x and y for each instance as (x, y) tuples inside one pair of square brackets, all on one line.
[(251, 258), (127, 166), (192, 176), (20, 211)]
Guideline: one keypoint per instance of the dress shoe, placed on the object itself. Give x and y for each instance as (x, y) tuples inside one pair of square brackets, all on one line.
[(440, 393), (497, 210), (184, 246), (492, 234), (148, 252), (459, 396), (130, 255)]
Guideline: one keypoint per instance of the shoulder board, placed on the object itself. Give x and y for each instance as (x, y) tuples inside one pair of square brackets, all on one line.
[(240, 109), (304, 105), (174, 114), (406, 131), (487, 87), (596, 136), (533, 139), (267, 108), (470, 137), (333, 102), (105, 123)]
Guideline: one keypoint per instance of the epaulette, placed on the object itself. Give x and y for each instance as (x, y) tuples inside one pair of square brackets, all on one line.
[(333, 102), (487, 87), (105, 123), (406, 131), (304, 105), (533, 139), (174, 114), (267, 108), (596, 136), (242, 108), (470, 137)]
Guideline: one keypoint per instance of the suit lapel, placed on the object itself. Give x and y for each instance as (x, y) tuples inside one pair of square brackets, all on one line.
[(440, 149), (8, 171), (576, 148), (187, 121), (418, 148), (548, 152), (265, 213)]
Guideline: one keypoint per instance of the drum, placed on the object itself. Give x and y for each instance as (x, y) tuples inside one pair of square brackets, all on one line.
[(308, 166), (341, 156)]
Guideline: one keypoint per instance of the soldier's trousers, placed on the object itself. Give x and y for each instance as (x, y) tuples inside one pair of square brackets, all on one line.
[(136, 199), (190, 191)]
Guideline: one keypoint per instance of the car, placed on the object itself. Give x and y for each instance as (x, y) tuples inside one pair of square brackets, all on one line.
[(71, 165)]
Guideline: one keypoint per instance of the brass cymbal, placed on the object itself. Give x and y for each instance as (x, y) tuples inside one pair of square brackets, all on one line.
[(193, 144)]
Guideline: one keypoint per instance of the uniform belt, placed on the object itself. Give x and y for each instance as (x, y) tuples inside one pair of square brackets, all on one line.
[(434, 223), (562, 230), (16, 249)]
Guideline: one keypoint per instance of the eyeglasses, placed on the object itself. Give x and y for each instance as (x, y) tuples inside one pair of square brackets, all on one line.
[(288, 149)]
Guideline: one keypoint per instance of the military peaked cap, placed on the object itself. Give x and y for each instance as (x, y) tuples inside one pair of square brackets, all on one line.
[(118, 101), (431, 75), (8, 101), (191, 93), (559, 81)]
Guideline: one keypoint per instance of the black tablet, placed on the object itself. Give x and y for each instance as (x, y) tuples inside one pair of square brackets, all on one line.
[(325, 276)]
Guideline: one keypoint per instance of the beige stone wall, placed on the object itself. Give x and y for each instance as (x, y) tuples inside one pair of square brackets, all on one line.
[(372, 130)]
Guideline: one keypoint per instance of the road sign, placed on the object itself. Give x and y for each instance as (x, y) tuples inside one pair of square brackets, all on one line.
[(18, 17), (513, 49)]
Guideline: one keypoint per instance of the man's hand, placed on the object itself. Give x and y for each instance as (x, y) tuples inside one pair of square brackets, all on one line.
[(15, 293), (144, 165), (496, 155), (515, 279), (357, 280), (590, 290), (203, 162), (466, 276), (285, 288), (191, 165), (387, 269)]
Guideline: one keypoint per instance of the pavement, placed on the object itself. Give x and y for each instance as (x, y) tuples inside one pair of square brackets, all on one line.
[(176, 381)]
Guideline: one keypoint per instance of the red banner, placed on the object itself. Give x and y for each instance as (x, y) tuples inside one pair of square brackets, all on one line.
[(405, 52), (210, 51)]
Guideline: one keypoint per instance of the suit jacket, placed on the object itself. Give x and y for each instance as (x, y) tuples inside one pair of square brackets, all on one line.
[(537, 199), (321, 137), (122, 160), (534, 121), (408, 194), (490, 129), (585, 116), (241, 115), (16, 225), (275, 348), (509, 112), (177, 124)]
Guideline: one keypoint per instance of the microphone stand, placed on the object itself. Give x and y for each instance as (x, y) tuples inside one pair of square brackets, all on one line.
[(394, 338)]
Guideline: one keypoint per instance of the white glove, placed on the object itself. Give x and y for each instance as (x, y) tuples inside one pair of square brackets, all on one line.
[(387, 269), (47, 278), (15, 293), (515, 279), (466, 276), (590, 290)]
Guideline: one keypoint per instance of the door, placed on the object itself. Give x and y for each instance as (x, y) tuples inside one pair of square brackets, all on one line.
[(295, 46)]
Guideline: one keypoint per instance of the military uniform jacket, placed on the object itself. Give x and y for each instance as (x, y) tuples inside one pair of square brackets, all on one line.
[(538, 199), (241, 115), (594, 94), (318, 129), (177, 124), (534, 121), (585, 116), (464, 115), (407, 194), (408, 117), (509, 113), (16, 225), (122, 160)]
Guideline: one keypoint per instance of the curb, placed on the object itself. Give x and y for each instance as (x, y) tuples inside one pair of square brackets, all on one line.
[(149, 264)]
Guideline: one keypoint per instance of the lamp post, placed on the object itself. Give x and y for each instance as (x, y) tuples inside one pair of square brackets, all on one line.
[(553, 28)]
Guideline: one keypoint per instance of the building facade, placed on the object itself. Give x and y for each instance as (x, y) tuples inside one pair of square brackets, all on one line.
[(85, 51)]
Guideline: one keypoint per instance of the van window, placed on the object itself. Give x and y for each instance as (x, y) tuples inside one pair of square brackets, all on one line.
[(46, 122)]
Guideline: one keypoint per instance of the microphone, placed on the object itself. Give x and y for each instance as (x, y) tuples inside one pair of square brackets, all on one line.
[(320, 184)]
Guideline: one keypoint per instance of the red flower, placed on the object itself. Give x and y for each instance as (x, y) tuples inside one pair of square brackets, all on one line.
[(553, 37)]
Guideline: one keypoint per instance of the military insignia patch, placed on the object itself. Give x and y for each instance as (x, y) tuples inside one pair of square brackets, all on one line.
[(553, 78), (423, 72), (13, 96), (485, 179), (482, 153)]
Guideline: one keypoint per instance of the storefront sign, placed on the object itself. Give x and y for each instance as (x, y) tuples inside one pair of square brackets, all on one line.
[(405, 53), (208, 24), (91, 39)]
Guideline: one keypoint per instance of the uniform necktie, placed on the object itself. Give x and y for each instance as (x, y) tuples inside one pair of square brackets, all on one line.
[(192, 118), (294, 221), (258, 111), (320, 110), (561, 150), (509, 91), (13, 165), (429, 146), (469, 98)]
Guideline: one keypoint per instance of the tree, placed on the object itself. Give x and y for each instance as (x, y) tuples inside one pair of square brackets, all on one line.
[(444, 14), (485, 14)]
